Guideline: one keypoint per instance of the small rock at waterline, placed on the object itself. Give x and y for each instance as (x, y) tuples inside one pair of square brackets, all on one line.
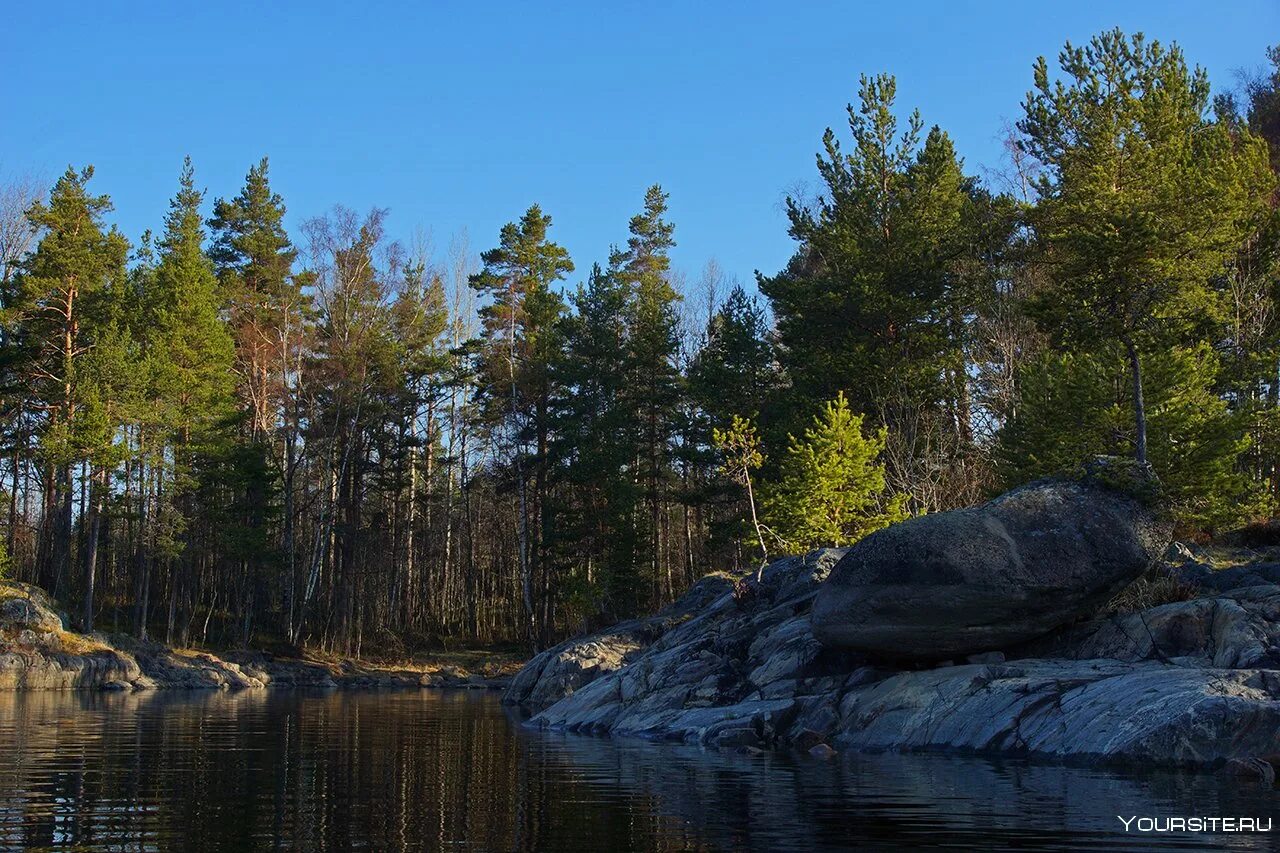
[(807, 739), (1256, 769)]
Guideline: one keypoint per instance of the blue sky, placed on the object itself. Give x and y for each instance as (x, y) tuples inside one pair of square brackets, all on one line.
[(461, 115)]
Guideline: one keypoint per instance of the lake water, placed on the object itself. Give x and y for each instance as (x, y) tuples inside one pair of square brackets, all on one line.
[(440, 770)]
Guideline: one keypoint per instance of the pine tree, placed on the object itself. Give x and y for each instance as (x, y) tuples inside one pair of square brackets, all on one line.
[(832, 488), (254, 260), (1252, 344), (270, 318), (521, 335), (62, 306), (873, 304), (1143, 199), (595, 449), (654, 392)]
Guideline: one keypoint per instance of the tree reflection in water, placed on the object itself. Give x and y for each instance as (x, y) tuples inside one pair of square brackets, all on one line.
[(444, 769)]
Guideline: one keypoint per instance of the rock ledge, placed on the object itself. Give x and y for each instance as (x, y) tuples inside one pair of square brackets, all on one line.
[(1191, 683)]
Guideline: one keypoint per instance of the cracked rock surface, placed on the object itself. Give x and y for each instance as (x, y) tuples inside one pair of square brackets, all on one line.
[(1191, 683)]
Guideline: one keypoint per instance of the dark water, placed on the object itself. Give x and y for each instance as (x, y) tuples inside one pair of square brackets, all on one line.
[(450, 770)]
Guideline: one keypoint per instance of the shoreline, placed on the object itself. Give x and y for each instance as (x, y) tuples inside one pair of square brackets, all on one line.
[(1189, 684), (37, 652)]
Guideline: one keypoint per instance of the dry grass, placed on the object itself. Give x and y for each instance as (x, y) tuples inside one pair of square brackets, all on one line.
[(483, 661), (66, 641), (79, 644), (13, 589), (1151, 590)]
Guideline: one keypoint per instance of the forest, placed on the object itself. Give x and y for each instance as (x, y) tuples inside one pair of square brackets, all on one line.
[(222, 433)]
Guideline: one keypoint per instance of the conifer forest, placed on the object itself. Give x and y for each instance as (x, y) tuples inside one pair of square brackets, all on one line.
[(343, 435)]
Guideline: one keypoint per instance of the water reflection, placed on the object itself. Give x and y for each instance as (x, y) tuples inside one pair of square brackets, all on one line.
[(436, 770)]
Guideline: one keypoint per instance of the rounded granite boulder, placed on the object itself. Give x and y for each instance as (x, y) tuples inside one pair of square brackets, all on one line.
[(988, 577)]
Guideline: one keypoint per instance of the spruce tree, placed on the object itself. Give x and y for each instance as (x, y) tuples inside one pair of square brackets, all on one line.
[(191, 356), (735, 371)]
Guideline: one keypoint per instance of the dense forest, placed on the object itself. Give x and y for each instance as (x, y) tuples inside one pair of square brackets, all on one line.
[(226, 433)]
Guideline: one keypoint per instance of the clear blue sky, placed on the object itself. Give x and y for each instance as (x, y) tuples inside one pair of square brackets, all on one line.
[(461, 115)]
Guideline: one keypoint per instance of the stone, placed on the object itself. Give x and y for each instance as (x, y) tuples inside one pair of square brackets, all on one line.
[(986, 657), (27, 607), (1255, 769), (807, 739), (822, 750), (37, 653), (559, 671), (739, 736), (1191, 683), (957, 583), (1097, 711), (1237, 629), (1222, 580)]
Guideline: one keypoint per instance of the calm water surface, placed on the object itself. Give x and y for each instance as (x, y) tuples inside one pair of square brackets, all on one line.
[(442, 770)]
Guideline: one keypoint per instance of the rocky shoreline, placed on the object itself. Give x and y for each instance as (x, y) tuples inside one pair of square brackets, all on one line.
[(38, 653), (1193, 682)]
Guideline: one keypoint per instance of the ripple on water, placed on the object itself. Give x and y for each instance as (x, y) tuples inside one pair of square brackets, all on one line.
[(451, 770)]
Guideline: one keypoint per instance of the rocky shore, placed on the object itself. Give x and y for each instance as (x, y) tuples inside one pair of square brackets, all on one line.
[(38, 652), (1024, 626)]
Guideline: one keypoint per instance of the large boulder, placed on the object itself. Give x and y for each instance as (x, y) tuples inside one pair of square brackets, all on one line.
[(956, 583)]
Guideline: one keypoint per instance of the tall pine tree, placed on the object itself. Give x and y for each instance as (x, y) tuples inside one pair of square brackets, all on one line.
[(873, 304), (655, 384), (521, 335), (62, 304)]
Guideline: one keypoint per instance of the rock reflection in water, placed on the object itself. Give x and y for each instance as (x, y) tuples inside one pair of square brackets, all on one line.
[(441, 769)]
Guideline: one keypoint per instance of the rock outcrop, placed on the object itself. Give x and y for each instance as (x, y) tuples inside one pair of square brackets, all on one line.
[(957, 583), (37, 652), (1188, 683), (1236, 629), (1264, 573), (559, 671)]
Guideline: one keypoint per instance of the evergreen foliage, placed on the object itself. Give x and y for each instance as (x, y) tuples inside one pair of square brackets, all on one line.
[(221, 436), (832, 490)]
